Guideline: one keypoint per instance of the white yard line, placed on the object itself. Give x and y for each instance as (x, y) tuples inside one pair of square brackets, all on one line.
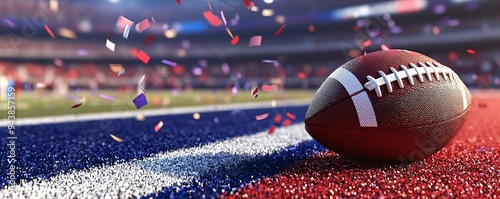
[(154, 112), (141, 177)]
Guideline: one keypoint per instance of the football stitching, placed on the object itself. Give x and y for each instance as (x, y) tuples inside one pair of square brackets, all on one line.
[(427, 69)]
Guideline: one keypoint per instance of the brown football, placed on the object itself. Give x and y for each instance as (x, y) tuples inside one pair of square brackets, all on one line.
[(388, 106)]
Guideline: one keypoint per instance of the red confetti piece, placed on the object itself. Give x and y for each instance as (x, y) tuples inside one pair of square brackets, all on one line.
[(212, 19), (143, 91), (158, 126), (255, 92), (133, 52), (50, 31), (287, 122), (149, 39), (271, 130), (367, 43), (235, 40), (178, 2), (116, 138), (76, 105), (384, 47), (143, 57), (268, 87), (301, 75), (261, 117), (279, 30), (470, 51), (255, 41), (277, 118), (290, 115), (143, 25), (248, 3)]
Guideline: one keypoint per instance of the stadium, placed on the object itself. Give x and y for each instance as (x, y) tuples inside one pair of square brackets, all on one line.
[(208, 98)]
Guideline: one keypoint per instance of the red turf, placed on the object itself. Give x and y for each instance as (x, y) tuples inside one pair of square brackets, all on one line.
[(468, 167)]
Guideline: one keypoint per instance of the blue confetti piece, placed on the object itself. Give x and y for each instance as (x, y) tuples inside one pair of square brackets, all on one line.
[(140, 101), (121, 72)]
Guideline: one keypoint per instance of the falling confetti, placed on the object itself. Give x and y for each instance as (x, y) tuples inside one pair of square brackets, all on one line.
[(122, 21), (115, 68), (248, 3), (266, 87), (196, 116), (384, 47), (141, 55), (66, 33), (76, 105), (235, 40), (271, 130), (140, 117), (116, 138), (367, 43), (255, 92), (255, 41), (49, 31), (110, 45), (261, 117), (229, 32), (223, 17), (140, 101), (126, 31), (121, 72), (167, 62), (144, 91), (143, 25), (279, 30), (212, 19), (142, 79), (106, 97), (287, 122), (158, 126), (178, 2), (470, 51), (290, 115), (301, 75), (277, 118)]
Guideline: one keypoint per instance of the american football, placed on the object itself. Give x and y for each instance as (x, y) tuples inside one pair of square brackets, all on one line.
[(388, 106)]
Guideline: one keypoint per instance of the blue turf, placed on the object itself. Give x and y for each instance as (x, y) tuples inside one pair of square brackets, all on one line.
[(46, 150)]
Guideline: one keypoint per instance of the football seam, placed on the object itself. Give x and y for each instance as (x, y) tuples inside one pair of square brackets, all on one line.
[(427, 69)]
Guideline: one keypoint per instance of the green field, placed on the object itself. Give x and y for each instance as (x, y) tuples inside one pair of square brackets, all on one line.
[(38, 105)]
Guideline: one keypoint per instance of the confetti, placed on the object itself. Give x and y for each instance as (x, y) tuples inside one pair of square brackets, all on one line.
[(271, 130), (225, 68), (58, 62), (126, 31), (470, 51), (235, 40), (279, 30), (367, 43), (223, 17), (287, 122), (229, 32), (115, 68), (196, 116), (248, 3), (76, 105), (255, 41), (9, 23), (384, 47), (143, 25), (167, 62), (158, 126), (116, 138), (209, 5), (133, 52), (110, 45), (121, 72), (255, 92), (178, 2), (121, 22), (143, 57), (277, 118), (144, 91), (149, 39), (266, 87), (106, 97), (212, 19), (261, 117), (140, 117), (140, 101), (49, 31), (66, 33), (290, 115), (142, 79)]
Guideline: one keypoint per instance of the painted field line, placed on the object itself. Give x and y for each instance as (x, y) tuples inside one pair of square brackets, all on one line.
[(141, 177), (154, 112)]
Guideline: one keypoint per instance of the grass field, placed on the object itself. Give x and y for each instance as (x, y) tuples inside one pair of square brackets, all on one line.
[(29, 104)]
